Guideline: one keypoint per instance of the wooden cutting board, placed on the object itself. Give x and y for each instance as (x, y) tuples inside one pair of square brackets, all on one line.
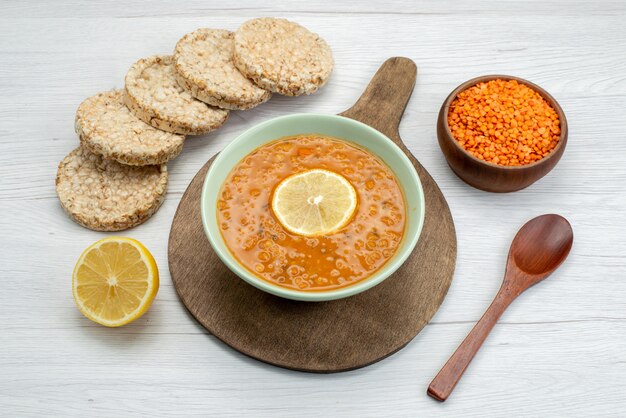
[(330, 336)]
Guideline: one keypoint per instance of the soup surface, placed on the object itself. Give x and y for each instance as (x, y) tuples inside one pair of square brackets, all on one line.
[(260, 243)]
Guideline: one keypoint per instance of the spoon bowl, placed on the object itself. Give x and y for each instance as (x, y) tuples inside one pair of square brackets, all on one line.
[(541, 245)]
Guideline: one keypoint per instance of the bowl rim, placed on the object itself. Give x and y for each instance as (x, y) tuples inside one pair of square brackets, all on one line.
[(541, 91), (392, 264)]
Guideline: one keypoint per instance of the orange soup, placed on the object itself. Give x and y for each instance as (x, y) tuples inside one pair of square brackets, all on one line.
[(259, 241)]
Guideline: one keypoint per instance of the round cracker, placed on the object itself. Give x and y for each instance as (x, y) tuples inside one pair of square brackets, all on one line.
[(154, 96), (282, 56), (106, 127), (204, 67), (105, 195)]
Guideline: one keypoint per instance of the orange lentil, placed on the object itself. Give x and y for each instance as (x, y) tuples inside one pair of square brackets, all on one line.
[(504, 122)]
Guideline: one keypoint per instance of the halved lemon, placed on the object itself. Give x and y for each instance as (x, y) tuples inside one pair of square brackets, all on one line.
[(115, 281), (314, 202)]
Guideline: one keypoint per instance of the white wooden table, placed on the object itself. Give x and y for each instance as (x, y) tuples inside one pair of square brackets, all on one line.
[(559, 351)]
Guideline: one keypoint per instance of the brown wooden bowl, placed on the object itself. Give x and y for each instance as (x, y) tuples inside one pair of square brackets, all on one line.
[(490, 176)]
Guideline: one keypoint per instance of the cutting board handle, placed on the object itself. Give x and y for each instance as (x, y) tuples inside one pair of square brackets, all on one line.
[(383, 102)]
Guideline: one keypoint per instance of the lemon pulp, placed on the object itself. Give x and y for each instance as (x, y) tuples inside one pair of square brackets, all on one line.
[(314, 202), (115, 281)]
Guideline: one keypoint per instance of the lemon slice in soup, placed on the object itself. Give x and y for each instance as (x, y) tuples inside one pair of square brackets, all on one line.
[(314, 202)]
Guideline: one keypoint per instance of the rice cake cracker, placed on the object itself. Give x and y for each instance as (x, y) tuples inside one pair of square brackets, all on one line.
[(282, 56), (154, 96), (204, 66), (105, 195), (106, 127)]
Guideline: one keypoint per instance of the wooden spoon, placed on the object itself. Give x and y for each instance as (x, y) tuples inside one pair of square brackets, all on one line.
[(538, 249)]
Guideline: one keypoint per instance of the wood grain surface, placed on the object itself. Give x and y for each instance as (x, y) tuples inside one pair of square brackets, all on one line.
[(559, 350), (333, 336)]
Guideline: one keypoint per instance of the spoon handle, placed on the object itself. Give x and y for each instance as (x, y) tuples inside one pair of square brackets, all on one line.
[(447, 378)]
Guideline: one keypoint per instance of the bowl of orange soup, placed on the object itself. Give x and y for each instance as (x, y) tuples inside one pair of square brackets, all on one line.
[(312, 207)]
